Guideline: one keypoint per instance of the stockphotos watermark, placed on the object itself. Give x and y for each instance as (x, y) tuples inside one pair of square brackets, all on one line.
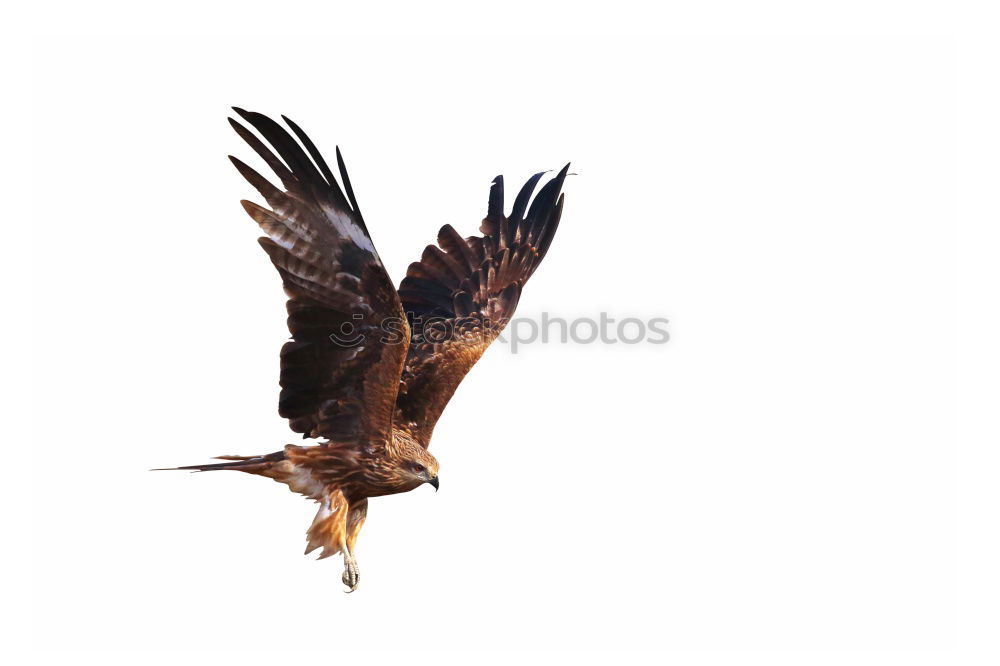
[(515, 333)]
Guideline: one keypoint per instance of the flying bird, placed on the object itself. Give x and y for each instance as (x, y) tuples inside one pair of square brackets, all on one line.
[(369, 368)]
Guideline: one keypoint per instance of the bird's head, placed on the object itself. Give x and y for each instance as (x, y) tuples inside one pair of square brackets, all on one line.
[(416, 466)]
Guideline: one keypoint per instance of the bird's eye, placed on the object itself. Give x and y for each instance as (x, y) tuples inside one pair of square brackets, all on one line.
[(418, 467)]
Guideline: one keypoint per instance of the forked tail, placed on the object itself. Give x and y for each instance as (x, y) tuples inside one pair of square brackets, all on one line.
[(250, 464)]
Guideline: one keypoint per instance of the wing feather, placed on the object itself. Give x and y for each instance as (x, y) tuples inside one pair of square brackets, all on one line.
[(339, 379), (462, 293)]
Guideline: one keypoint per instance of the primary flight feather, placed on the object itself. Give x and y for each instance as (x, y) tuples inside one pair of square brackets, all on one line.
[(369, 368)]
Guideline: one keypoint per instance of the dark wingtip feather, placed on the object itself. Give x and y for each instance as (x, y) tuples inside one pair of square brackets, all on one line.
[(286, 146), (495, 206), (313, 151), (242, 113), (245, 170), (272, 161), (521, 201), (548, 232), (347, 181), (494, 209)]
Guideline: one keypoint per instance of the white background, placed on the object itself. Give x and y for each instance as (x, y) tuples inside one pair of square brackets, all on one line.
[(778, 482)]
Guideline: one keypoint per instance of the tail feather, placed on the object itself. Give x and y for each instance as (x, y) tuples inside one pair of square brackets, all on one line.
[(251, 464)]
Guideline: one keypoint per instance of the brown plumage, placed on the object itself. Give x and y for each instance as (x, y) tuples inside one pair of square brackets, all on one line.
[(369, 369)]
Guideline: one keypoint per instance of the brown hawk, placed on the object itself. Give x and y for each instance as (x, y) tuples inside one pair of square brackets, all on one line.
[(369, 368)]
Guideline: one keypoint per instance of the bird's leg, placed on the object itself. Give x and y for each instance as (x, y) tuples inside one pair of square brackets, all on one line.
[(355, 519)]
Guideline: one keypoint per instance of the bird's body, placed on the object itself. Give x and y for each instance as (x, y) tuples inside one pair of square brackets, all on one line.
[(370, 368)]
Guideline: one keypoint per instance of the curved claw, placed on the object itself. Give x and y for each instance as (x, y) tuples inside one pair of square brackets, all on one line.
[(352, 576)]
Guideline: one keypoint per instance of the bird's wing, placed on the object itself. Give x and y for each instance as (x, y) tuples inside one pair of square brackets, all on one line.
[(463, 291), (340, 371)]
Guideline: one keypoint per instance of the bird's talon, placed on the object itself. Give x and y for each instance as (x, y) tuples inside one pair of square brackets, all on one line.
[(352, 575)]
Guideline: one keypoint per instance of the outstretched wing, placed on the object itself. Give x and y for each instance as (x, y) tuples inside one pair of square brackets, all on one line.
[(463, 291), (340, 371)]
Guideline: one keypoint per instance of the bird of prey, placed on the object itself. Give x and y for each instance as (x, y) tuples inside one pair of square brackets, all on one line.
[(369, 368)]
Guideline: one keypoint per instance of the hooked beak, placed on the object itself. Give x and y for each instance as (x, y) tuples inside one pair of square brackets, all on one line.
[(434, 482)]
